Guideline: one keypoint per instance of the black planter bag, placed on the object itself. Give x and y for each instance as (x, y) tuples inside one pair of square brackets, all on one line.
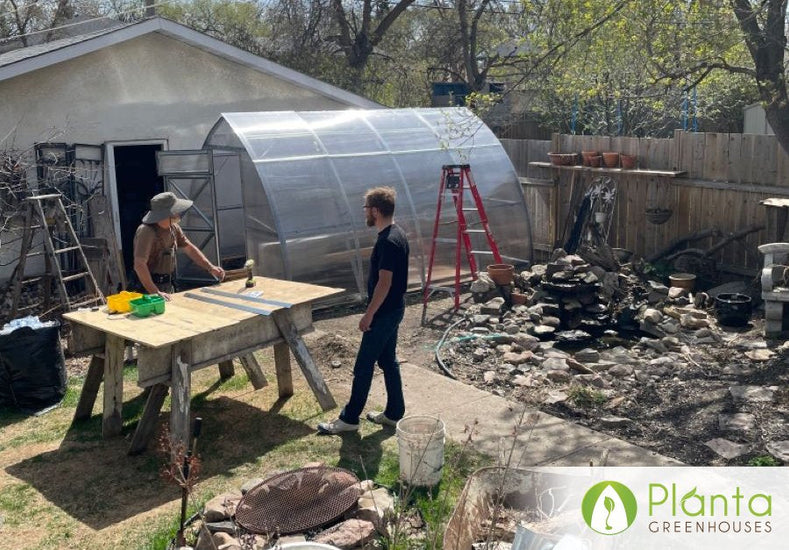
[(32, 368)]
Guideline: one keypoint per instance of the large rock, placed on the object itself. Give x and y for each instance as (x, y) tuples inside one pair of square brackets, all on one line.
[(376, 507), (737, 422), (779, 449), (727, 449), (517, 358), (221, 507), (351, 533), (754, 393)]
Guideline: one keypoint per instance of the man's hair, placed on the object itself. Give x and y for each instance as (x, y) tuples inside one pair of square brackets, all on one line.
[(382, 198)]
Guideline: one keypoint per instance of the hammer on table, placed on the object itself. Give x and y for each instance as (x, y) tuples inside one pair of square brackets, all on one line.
[(198, 423)]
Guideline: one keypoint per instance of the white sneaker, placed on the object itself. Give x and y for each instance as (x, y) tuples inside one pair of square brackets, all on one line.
[(378, 417), (336, 426)]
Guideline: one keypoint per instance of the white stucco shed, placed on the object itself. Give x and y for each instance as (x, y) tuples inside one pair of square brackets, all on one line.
[(105, 103)]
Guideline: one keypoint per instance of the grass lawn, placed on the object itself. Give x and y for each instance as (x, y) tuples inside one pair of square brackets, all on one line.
[(64, 487)]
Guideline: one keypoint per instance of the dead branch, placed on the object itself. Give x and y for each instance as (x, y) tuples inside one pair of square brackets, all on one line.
[(676, 243), (735, 236)]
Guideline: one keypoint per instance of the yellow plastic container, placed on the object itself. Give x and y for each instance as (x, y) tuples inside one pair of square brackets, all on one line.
[(120, 303)]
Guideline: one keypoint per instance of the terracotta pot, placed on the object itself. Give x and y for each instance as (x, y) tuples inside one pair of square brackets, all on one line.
[(569, 159), (556, 158), (628, 161), (519, 298), (683, 280), (595, 161), (611, 159), (587, 157), (501, 274)]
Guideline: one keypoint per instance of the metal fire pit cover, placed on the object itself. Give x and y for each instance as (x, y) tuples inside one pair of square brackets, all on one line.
[(298, 500)]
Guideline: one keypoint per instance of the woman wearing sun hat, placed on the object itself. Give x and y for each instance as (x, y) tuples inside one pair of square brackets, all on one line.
[(156, 242)]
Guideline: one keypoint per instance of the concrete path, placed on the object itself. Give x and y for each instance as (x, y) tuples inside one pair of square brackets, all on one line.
[(495, 420)]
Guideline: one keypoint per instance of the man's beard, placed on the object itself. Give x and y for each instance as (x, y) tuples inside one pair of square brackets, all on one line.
[(370, 220)]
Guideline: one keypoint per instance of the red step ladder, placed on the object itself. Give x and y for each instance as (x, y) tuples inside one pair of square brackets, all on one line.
[(455, 179)]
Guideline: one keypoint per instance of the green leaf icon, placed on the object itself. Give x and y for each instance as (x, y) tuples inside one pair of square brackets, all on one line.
[(689, 494), (609, 504)]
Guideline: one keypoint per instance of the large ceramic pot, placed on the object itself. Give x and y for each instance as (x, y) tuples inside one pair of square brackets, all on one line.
[(683, 280), (733, 309), (501, 274)]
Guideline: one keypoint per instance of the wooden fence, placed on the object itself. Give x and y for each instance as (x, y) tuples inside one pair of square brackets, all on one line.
[(708, 181)]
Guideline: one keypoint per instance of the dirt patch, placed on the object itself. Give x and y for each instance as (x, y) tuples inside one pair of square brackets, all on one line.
[(674, 413)]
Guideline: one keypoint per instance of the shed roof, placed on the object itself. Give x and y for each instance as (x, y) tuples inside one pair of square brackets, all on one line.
[(24, 60)]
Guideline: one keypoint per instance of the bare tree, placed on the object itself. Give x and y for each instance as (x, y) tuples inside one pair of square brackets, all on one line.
[(360, 31), (763, 26)]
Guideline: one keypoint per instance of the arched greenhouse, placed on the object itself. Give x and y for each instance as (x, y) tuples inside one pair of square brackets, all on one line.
[(298, 179)]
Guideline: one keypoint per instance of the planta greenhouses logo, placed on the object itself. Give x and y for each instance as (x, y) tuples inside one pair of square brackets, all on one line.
[(609, 507)]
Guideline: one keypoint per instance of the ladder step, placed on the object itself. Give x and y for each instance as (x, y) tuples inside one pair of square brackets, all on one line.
[(31, 281), (67, 249), (93, 300), (33, 254), (449, 289), (42, 197), (445, 240), (475, 231), (76, 276), (485, 252), (469, 209)]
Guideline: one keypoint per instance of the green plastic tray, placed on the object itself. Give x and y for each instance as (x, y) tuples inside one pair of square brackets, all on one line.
[(148, 304)]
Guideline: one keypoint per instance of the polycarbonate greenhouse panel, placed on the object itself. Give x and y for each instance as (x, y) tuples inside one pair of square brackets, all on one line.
[(303, 176)]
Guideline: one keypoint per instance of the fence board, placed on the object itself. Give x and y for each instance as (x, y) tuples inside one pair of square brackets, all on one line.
[(728, 176), (714, 157), (763, 159), (734, 159)]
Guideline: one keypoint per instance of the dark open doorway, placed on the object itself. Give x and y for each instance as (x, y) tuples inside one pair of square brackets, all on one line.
[(137, 181)]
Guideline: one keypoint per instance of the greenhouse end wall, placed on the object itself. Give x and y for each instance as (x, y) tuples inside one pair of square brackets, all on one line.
[(304, 175)]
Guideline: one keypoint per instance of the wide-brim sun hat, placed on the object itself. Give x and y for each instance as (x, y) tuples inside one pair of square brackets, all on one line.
[(166, 205)]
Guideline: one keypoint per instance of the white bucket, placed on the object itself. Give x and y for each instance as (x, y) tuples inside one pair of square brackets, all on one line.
[(421, 442)]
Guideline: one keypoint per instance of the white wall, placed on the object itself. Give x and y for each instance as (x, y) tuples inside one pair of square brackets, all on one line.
[(755, 120), (152, 87)]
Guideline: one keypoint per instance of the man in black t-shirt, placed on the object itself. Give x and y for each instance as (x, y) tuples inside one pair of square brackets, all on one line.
[(386, 287)]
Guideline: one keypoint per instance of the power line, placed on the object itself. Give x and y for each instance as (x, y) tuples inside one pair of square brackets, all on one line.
[(68, 25)]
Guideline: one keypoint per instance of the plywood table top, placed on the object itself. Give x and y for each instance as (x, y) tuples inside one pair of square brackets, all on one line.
[(186, 318)]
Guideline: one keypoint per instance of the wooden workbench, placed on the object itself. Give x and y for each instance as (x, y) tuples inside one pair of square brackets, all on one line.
[(198, 328)]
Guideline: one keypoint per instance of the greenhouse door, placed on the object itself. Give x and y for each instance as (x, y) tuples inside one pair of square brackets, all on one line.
[(190, 175)]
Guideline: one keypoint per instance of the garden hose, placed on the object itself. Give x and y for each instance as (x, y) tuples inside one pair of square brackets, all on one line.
[(441, 341)]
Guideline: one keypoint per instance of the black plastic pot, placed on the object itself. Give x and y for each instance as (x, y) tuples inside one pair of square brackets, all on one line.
[(733, 309)]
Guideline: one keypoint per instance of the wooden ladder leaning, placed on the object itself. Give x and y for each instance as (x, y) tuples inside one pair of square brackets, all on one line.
[(46, 213)]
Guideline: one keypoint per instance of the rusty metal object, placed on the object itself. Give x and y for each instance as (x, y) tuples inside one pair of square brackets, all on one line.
[(298, 500)]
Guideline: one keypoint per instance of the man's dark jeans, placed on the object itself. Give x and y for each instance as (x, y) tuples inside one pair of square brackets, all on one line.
[(378, 344)]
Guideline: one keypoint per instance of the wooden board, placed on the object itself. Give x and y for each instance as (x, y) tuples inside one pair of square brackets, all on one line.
[(622, 171), (185, 318)]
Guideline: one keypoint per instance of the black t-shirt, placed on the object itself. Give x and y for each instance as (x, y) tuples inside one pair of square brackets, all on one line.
[(390, 253)]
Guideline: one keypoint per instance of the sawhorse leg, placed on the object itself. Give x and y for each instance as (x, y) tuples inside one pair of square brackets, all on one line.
[(112, 422), (282, 365), (150, 415), (181, 383), (291, 335), (253, 370), (90, 389), (226, 369)]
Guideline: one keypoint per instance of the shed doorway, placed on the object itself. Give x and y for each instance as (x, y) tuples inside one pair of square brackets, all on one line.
[(133, 181)]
